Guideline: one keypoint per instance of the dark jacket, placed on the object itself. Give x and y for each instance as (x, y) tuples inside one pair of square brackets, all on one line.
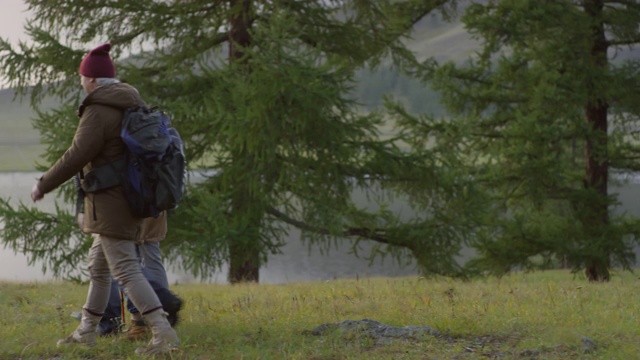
[(97, 142)]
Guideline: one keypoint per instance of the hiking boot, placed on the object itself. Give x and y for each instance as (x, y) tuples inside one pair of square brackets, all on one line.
[(172, 310), (137, 331), (85, 334), (164, 338)]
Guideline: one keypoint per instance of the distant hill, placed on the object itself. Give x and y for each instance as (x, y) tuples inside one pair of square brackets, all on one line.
[(432, 37), (19, 142)]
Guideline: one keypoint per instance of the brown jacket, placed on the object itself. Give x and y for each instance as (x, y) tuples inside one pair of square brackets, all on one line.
[(96, 142), (154, 229)]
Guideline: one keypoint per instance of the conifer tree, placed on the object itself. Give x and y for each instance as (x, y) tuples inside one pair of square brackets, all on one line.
[(544, 116), (260, 90)]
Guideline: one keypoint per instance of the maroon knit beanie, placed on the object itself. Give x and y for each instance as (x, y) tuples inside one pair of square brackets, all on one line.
[(98, 64)]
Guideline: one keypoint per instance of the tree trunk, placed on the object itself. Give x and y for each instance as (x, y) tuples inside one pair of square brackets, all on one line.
[(244, 262), (244, 253), (595, 150)]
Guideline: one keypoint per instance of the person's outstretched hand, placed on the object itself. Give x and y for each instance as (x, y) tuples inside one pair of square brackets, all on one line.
[(36, 194)]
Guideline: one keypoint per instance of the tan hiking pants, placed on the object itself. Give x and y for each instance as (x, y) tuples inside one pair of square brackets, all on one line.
[(110, 256)]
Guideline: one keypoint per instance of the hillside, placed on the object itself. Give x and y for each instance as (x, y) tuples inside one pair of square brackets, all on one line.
[(19, 142), (432, 37)]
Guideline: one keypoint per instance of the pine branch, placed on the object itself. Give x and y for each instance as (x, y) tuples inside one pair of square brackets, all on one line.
[(377, 235)]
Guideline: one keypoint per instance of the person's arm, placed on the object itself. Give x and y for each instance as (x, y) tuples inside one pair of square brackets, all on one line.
[(87, 144)]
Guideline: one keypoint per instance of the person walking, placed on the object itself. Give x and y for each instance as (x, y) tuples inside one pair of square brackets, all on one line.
[(150, 258), (109, 219), (149, 255)]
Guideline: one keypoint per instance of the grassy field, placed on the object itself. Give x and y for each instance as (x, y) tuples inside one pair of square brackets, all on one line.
[(547, 315)]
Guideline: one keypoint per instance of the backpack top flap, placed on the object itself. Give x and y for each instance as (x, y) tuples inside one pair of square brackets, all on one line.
[(145, 132)]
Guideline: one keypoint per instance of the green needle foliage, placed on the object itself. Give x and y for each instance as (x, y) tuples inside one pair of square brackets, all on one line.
[(23, 231), (260, 91), (544, 116)]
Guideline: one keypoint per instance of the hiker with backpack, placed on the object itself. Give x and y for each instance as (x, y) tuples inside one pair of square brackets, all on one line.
[(150, 258), (109, 217)]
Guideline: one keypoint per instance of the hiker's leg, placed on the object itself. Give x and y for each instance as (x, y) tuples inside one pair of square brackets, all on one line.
[(97, 297), (130, 307), (154, 270), (151, 262), (126, 269), (111, 316), (100, 278)]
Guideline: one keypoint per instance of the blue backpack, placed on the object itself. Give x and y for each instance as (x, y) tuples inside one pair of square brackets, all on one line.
[(155, 162), (153, 171)]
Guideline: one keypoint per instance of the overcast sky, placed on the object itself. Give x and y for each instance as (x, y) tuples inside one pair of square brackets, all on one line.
[(12, 19)]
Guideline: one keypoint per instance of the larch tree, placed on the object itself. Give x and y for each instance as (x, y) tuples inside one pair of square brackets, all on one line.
[(545, 117), (261, 93)]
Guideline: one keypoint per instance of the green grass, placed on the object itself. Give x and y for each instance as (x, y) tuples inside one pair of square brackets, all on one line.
[(522, 316)]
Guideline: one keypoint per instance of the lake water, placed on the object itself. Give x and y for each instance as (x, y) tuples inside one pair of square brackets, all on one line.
[(295, 264)]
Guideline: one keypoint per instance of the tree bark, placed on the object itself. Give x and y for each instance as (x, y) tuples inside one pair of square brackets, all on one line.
[(244, 253), (595, 149)]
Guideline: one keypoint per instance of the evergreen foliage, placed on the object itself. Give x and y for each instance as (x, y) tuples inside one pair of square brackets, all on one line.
[(262, 93), (544, 119), (25, 228)]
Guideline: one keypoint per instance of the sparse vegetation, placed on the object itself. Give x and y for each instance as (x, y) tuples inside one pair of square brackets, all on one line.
[(544, 315)]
